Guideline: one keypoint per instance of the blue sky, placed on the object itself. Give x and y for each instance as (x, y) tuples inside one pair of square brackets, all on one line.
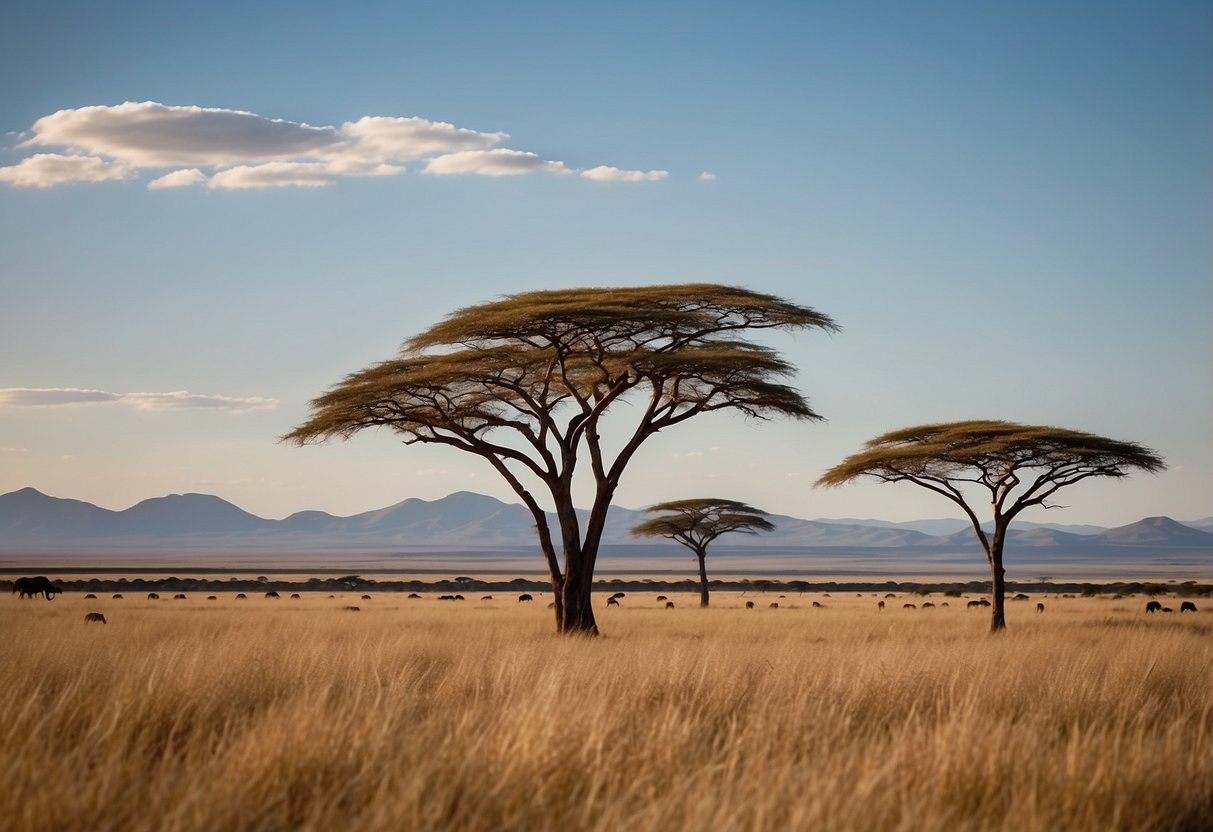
[(1007, 207)]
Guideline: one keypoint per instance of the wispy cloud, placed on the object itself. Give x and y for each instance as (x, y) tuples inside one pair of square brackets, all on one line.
[(706, 176), (234, 149), (177, 400)]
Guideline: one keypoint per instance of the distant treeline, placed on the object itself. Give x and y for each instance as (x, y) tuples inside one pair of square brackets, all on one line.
[(357, 583)]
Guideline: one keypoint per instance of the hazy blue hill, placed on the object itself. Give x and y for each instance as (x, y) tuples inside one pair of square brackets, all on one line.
[(1156, 531), (187, 514), (312, 521), (30, 513), (1204, 524)]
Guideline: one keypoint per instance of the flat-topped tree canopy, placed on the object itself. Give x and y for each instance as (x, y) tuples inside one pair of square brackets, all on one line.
[(526, 381), (1019, 465)]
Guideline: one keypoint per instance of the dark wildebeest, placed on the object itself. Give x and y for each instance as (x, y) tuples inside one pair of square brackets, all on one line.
[(669, 605), (662, 598), (749, 605), (212, 597), (90, 617), (617, 595), (90, 595), (457, 598), (295, 596), (272, 594), (1019, 596), (927, 605), (411, 595), (241, 597), (909, 607), (153, 596), (1153, 606), (366, 597), (118, 596), (774, 605), (612, 601), (350, 609), (891, 595), (943, 603), (1167, 609), (817, 605), (1187, 606), (525, 597), (178, 597), (1040, 607), (38, 585), (446, 597), (972, 604), (880, 605), (486, 597)]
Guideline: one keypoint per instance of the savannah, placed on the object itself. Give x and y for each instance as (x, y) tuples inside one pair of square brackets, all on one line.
[(415, 713)]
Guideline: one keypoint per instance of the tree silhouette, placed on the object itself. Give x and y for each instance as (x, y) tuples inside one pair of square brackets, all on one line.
[(1018, 465), (526, 382), (696, 523)]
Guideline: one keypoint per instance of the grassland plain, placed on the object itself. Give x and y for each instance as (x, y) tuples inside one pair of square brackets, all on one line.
[(421, 714)]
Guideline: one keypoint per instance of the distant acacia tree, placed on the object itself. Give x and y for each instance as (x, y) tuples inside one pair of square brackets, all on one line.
[(526, 383), (696, 523), (1019, 466)]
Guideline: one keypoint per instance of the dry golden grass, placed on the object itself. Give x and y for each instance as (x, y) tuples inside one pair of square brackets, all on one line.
[(258, 714)]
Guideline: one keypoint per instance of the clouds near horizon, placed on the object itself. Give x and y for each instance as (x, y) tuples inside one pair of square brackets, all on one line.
[(234, 149), (177, 400)]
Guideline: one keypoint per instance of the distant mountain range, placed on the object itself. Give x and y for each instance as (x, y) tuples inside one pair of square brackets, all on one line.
[(31, 521)]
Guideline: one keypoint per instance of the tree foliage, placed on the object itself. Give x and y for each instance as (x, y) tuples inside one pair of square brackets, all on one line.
[(696, 523), (1019, 466), (525, 382)]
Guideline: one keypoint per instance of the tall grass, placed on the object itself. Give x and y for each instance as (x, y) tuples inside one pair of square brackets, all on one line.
[(195, 715)]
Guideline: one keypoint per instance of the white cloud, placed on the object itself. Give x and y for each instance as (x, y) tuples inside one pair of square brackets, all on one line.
[(606, 173), (705, 176), (14, 450), (42, 170), (175, 400), (178, 179), (235, 149), (496, 162)]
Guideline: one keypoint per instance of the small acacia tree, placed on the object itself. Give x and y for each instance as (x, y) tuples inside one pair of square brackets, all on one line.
[(526, 383), (696, 523), (1019, 466)]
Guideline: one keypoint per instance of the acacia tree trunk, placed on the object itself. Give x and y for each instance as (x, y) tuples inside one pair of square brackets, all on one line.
[(998, 587), (703, 579)]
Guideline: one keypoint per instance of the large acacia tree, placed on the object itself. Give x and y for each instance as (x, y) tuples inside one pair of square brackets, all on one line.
[(696, 523), (1016, 466), (527, 382)]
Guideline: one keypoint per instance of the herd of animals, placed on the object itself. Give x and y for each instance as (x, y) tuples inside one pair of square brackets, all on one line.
[(42, 585)]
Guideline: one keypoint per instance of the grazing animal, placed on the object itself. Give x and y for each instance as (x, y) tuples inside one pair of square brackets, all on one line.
[(295, 596), (212, 597), (891, 595), (1167, 609), (90, 595), (446, 597), (662, 598), (1187, 606), (243, 597), (612, 602), (749, 605), (669, 605), (152, 596), (90, 617), (909, 607), (774, 605), (38, 585), (178, 597), (1040, 607), (972, 604), (1153, 606), (817, 605), (526, 596), (366, 597), (617, 595), (118, 596), (272, 594), (351, 609), (1019, 596), (411, 595), (456, 598), (880, 605), (927, 605), (486, 597), (943, 604)]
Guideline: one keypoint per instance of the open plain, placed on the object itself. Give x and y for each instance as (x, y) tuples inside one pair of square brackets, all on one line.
[(423, 714)]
